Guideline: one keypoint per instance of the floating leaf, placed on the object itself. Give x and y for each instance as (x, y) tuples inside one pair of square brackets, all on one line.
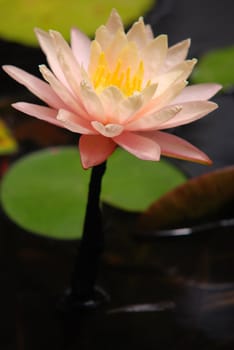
[(200, 199), (18, 18), (132, 184), (217, 67), (46, 192)]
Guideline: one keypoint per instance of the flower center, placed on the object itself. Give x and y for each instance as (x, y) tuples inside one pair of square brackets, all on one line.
[(121, 77)]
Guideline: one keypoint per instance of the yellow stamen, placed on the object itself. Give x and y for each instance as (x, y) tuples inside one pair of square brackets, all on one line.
[(121, 77)]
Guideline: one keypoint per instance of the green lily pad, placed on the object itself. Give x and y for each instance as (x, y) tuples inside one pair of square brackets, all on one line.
[(132, 184), (46, 192), (18, 18), (217, 67)]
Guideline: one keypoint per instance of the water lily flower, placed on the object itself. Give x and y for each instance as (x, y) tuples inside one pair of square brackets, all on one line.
[(120, 89)]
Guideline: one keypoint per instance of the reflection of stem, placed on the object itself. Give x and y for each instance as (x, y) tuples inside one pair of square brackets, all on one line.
[(91, 246)]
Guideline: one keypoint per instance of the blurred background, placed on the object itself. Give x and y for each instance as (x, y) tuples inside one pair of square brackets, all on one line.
[(169, 288)]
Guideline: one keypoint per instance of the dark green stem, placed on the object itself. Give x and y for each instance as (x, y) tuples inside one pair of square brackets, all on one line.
[(92, 242)]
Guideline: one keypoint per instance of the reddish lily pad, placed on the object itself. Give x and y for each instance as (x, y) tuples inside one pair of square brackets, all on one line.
[(203, 198)]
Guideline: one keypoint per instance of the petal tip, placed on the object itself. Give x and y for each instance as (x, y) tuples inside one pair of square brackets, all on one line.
[(218, 87), (187, 42), (39, 32), (7, 68), (205, 161), (60, 116), (17, 105), (213, 106)]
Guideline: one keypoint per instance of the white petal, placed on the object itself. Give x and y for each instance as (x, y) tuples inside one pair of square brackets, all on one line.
[(134, 107), (110, 98), (148, 93), (168, 95), (114, 49), (80, 45), (108, 130), (149, 32), (103, 37), (92, 103), (176, 54), (75, 123), (138, 34), (154, 121), (154, 55), (95, 51), (128, 108), (129, 56), (178, 73), (159, 102)]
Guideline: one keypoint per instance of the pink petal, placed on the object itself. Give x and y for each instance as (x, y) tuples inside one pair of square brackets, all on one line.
[(80, 45), (37, 86), (47, 45), (75, 123), (190, 112), (114, 22), (41, 112), (61, 90), (198, 92), (175, 147), (153, 121), (70, 67), (140, 146), (95, 149)]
